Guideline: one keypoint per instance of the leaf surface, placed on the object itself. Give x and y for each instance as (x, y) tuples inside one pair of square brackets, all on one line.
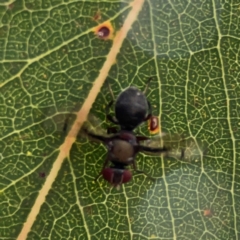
[(52, 65)]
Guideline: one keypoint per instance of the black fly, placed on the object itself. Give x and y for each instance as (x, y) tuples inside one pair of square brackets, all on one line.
[(131, 109)]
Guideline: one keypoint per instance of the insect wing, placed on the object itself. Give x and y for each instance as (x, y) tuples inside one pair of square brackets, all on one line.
[(59, 119), (174, 142), (93, 126)]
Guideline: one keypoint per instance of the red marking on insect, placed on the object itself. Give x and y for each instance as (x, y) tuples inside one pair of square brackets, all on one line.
[(116, 176), (127, 136), (153, 125)]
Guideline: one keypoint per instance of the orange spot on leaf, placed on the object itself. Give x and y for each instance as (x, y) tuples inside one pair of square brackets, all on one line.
[(207, 213), (104, 30)]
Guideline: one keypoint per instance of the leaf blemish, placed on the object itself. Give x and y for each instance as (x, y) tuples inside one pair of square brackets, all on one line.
[(10, 6), (97, 16), (42, 174), (207, 213), (104, 31)]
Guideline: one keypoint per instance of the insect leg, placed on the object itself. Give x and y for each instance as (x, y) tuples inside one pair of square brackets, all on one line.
[(146, 88), (149, 105), (110, 90), (96, 136), (182, 153), (111, 130), (149, 111), (152, 150), (66, 123), (109, 117)]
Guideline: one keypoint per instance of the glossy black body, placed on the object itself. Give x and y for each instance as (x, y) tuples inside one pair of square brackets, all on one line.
[(131, 108)]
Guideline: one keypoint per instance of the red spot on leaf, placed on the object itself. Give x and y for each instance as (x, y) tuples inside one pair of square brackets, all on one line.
[(207, 213), (42, 174)]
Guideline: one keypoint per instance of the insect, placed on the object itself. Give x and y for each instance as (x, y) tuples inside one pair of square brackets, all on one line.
[(131, 109), (122, 148)]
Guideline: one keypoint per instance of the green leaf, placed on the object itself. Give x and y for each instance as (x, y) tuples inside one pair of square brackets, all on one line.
[(52, 65)]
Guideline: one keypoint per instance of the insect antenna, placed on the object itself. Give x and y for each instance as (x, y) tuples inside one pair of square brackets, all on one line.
[(110, 90), (147, 85)]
